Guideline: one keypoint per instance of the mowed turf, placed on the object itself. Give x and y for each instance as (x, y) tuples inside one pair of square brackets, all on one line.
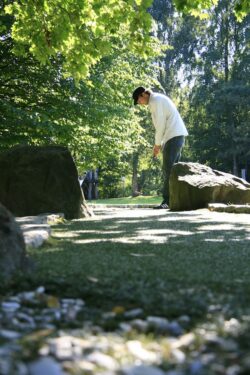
[(141, 199), (167, 263)]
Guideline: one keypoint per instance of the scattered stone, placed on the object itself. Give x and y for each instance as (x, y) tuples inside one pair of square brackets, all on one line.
[(232, 208), (21, 369), (142, 370), (178, 356), (102, 360), (28, 297), (214, 308), (135, 348), (40, 219), (232, 326), (228, 345), (160, 325), (36, 237), (184, 341), (40, 290), (62, 348), (217, 368), (207, 358), (5, 366), (32, 326), (140, 325), (125, 327), (184, 321), (131, 314), (36, 229), (196, 367), (109, 315), (175, 329), (233, 370), (85, 366), (46, 365), (9, 335), (10, 306), (24, 321)]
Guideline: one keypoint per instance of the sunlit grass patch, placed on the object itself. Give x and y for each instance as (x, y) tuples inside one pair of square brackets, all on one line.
[(129, 200), (166, 263)]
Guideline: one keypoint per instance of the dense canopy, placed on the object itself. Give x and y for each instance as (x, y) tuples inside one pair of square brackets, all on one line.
[(68, 67)]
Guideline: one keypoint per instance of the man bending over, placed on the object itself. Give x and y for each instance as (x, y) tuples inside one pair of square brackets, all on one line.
[(170, 132)]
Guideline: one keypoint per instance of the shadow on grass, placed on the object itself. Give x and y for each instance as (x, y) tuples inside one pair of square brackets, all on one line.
[(167, 263)]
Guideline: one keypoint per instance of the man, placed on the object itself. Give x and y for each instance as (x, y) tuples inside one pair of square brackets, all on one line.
[(170, 132)]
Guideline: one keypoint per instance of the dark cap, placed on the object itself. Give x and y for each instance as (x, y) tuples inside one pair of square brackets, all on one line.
[(137, 93)]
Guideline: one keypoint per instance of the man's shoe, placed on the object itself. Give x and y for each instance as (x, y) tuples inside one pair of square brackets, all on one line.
[(162, 206)]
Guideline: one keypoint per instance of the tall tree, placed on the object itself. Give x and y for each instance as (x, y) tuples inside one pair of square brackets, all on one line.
[(203, 70), (94, 119), (219, 101)]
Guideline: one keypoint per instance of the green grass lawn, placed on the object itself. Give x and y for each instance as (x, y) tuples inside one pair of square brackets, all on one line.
[(182, 266), (129, 200), (164, 262)]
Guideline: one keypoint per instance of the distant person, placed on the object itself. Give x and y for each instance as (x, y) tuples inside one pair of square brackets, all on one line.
[(170, 132)]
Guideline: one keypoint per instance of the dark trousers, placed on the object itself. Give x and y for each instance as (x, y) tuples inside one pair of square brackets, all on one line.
[(171, 155)]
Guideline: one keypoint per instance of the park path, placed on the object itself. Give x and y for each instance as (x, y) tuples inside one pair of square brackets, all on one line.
[(142, 223), (136, 224)]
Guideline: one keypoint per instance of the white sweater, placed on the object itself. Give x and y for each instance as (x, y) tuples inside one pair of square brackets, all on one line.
[(166, 118)]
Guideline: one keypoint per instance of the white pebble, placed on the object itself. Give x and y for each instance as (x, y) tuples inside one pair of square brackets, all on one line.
[(142, 370), (9, 335), (133, 313), (102, 360), (46, 366), (10, 306)]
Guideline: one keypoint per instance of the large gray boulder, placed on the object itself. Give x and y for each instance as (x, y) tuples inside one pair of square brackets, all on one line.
[(13, 258), (36, 180), (194, 185)]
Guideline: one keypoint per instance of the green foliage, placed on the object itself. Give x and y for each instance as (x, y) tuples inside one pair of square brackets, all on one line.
[(219, 111), (242, 9), (207, 73), (94, 119), (110, 181), (221, 132), (81, 31), (199, 7), (207, 61), (194, 7)]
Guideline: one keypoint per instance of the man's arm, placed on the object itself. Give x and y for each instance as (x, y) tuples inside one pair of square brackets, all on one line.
[(159, 120)]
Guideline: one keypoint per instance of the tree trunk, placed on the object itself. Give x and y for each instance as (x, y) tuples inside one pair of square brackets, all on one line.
[(135, 162), (86, 210), (226, 45)]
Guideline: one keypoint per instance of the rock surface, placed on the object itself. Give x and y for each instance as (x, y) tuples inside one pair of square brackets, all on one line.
[(233, 208), (13, 258), (36, 229), (37, 180), (194, 186)]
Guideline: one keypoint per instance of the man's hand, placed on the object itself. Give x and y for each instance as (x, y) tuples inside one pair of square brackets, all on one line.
[(156, 150)]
